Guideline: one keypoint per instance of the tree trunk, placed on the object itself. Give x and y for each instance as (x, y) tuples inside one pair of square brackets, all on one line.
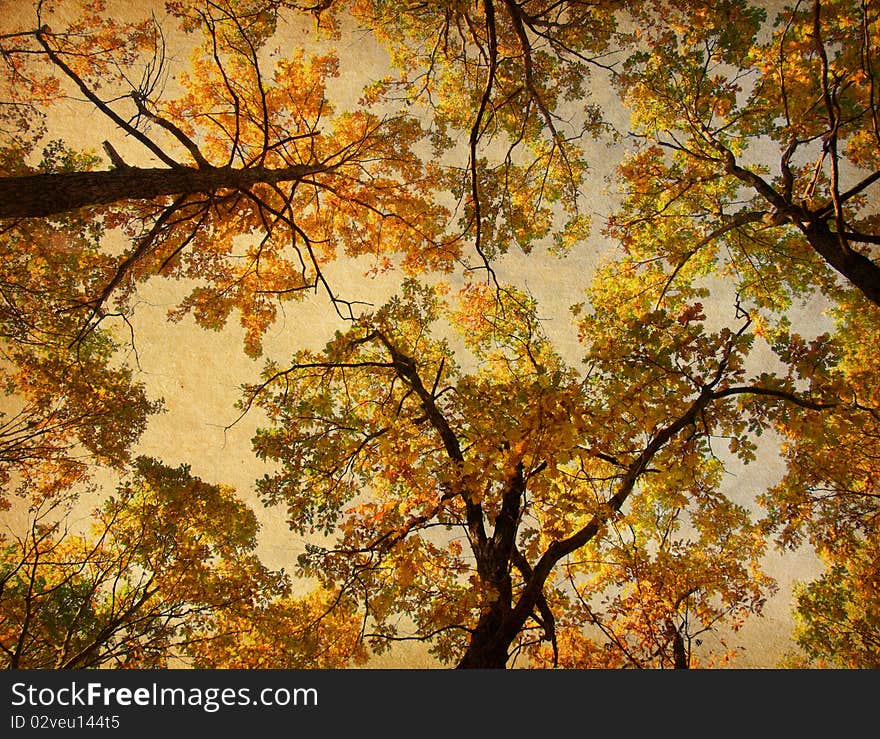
[(861, 271), (42, 195), (487, 648), (678, 651), (498, 627), (490, 641)]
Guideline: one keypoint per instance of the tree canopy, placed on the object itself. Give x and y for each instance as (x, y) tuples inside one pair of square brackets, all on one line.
[(504, 478)]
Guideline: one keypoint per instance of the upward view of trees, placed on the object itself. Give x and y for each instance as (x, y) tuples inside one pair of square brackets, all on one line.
[(506, 480)]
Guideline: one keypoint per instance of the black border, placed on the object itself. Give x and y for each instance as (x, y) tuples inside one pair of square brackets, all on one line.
[(452, 703)]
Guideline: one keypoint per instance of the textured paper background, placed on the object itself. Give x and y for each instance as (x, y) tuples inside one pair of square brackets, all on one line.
[(199, 373)]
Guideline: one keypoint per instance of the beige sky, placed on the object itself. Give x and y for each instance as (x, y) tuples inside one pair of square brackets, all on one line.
[(198, 373)]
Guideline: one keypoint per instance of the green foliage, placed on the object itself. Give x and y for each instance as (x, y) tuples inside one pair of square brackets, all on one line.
[(149, 579), (458, 480)]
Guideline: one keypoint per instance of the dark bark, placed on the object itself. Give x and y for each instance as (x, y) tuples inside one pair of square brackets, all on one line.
[(485, 649), (861, 271), (42, 195), (679, 653), (491, 639), (499, 626)]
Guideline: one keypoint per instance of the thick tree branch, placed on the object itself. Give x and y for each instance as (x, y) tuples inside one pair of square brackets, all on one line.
[(174, 130), (47, 194)]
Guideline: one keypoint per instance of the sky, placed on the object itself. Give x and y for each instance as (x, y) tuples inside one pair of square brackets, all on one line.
[(199, 373)]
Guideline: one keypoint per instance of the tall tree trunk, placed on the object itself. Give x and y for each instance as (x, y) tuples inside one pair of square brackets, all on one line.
[(679, 653), (490, 641), (487, 648), (41, 195), (861, 271)]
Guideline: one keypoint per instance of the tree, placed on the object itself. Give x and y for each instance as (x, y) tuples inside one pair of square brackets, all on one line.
[(469, 488), (711, 100), (528, 465), (154, 583), (69, 402), (714, 95), (836, 615), (829, 495), (243, 150), (122, 594), (504, 89), (659, 583)]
